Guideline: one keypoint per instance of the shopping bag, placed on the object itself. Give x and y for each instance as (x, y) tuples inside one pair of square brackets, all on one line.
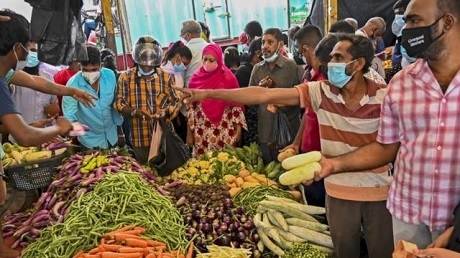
[(154, 152), (173, 152), (281, 133)]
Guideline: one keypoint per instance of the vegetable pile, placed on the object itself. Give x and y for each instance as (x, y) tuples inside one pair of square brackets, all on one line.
[(117, 200), (250, 197), (304, 250), (72, 181), (126, 242), (17, 155), (300, 168), (283, 222), (225, 252), (245, 180)]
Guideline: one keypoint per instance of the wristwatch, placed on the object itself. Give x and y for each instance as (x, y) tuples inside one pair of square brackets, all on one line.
[(133, 113)]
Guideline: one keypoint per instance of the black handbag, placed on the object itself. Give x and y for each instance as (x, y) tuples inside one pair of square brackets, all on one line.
[(281, 132), (173, 152)]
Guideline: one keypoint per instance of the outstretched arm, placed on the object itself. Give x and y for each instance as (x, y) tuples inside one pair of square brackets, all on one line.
[(43, 85)]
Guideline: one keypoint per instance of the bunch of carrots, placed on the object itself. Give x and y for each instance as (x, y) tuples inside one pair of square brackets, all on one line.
[(126, 242)]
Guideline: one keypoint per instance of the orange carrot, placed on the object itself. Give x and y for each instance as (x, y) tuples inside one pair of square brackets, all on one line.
[(190, 250), (151, 255), (120, 255), (125, 228), (160, 253), (111, 248), (92, 256), (131, 250), (133, 242), (135, 232), (155, 243), (120, 237), (79, 254), (94, 251), (102, 241), (168, 255)]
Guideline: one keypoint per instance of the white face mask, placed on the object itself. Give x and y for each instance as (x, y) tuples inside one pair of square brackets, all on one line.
[(91, 77), (272, 57), (20, 64)]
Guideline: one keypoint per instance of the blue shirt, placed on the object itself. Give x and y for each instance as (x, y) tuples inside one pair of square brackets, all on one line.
[(7, 105), (102, 119)]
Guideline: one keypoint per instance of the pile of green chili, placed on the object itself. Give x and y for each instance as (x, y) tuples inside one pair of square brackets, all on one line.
[(118, 200)]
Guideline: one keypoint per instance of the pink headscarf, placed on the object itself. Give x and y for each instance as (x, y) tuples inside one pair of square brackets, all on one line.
[(221, 78)]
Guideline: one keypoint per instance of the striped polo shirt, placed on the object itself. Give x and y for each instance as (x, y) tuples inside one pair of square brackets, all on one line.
[(343, 130)]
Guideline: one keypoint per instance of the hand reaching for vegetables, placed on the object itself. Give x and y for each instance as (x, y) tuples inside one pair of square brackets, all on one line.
[(64, 125), (189, 96), (327, 168), (42, 122)]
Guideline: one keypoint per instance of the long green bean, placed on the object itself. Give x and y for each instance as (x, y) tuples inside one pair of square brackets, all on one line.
[(118, 200)]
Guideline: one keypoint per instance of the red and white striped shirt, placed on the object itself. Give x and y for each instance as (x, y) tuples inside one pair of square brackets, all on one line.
[(342, 131), (426, 121)]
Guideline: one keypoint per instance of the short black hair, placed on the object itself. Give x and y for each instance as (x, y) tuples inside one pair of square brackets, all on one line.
[(360, 47), (256, 45), (275, 32), (341, 26), (177, 47), (231, 57), (94, 56), (401, 4), (452, 6), (13, 31), (253, 29), (324, 48), (309, 35), (292, 31)]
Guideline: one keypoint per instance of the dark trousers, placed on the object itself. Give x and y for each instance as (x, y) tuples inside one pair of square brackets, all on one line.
[(347, 218), (180, 126), (268, 153)]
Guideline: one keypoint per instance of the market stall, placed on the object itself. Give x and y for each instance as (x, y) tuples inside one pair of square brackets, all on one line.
[(225, 204)]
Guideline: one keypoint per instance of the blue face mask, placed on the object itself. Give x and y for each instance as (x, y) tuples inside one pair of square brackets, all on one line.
[(179, 68), (32, 59), (336, 72), (406, 56), (398, 25), (142, 72)]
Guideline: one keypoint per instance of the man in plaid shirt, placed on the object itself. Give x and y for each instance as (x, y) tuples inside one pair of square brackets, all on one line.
[(420, 119)]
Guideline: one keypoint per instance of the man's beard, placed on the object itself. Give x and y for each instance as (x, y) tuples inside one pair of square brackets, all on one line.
[(437, 48)]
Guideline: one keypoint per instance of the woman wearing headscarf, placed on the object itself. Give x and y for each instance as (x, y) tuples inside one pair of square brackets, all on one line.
[(213, 123)]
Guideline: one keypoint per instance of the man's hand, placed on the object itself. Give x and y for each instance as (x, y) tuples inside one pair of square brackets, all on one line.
[(294, 146), (145, 115), (189, 96), (267, 82), (327, 167), (443, 239), (64, 125), (436, 253), (84, 97), (42, 123)]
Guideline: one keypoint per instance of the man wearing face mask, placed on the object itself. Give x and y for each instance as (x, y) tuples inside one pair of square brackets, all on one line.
[(373, 29), (397, 26), (274, 70), (419, 126), (348, 109), (145, 93), (33, 105), (190, 34), (103, 120)]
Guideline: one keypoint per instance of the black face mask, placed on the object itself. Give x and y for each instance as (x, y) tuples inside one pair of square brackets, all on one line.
[(418, 40)]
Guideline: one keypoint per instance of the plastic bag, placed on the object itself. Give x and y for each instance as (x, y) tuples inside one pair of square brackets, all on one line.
[(281, 133), (173, 152)]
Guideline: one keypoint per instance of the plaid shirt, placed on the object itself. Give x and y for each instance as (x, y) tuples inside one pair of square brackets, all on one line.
[(426, 121), (151, 95)]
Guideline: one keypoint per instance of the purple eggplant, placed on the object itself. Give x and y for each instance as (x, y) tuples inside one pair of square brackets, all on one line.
[(57, 207), (16, 243), (8, 234), (58, 183), (34, 231), (80, 192), (90, 181), (41, 224), (51, 202), (150, 176), (40, 218), (40, 200), (77, 157), (14, 218), (7, 227), (163, 192), (173, 184), (57, 145), (21, 231)]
